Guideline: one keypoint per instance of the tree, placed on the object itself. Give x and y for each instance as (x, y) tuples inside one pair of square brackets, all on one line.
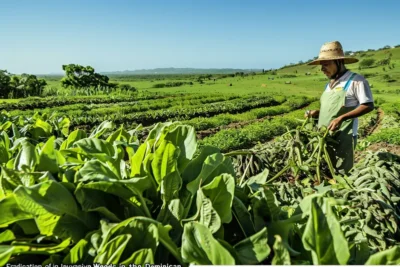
[(4, 83), (27, 85), (13, 86), (78, 76)]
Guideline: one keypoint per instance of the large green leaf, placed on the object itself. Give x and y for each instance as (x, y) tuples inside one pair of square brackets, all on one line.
[(119, 135), (213, 166), (94, 200), (97, 170), (201, 248), (63, 125), (103, 197), (5, 254), (170, 186), (324, 237), (40, 129), (253, 249), (164, 161), (359, 253), (157, 133), (194, 167), (221, 191), (243, 217), (172, 213), (104, 127), (387, 257), (78, 254), (6, 236), (137, 167), (5, 153), (47, 157), (183, 137), (27, 157), (72, 138), (11, 211), (163, 236), (281, 254), (49, 202), (206, 214), (96, 148), (140, 257), (112, 251), (145, 235)]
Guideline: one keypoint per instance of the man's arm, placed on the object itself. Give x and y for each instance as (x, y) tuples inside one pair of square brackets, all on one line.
[(359, 111)]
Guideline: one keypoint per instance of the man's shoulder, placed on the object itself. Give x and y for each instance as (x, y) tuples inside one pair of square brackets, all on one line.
[(357, 77)]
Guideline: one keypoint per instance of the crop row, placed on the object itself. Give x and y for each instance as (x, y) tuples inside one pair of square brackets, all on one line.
[(249, 135), (48, 102), (150, 117), (127, 107), (203, 123), (38, 102)]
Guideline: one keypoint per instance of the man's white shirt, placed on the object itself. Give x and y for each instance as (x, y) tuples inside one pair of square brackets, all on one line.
[(358, 92)]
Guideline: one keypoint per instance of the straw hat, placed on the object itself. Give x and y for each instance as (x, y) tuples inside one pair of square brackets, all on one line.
[(332, 51)]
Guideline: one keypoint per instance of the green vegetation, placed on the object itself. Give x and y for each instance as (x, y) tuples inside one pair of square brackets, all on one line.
[(123, 169), (83, 197)]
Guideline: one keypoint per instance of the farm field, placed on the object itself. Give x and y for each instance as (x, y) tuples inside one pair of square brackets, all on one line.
[(209, 170)]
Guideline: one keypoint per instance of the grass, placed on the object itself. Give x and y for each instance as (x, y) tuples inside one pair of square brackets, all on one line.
[(386, 93)]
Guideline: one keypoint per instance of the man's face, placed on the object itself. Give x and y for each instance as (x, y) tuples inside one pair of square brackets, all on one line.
[(328, 68)]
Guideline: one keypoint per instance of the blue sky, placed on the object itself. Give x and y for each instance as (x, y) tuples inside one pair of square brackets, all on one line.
[(39, 36)]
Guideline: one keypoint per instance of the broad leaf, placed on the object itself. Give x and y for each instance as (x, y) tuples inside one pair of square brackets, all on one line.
[(27, 157), (170, 186), (72, 138), (96, 148), (194, 167), (213, 166), (78, 254), (387, 257), (281, 254), (324, 237), (201, 248), (253, 249), (50, 202), (47, 157), (140, 257), (221, 191), (6, 236), (11, 211), (113, 250), (97, 170), (243, 217), (164, 161), (183, 137)]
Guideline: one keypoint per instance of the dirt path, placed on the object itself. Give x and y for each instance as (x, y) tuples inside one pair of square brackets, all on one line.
[(371, 129), (234, 125)]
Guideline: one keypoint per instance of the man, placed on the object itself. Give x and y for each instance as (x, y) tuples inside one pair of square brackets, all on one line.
[(346, 97)]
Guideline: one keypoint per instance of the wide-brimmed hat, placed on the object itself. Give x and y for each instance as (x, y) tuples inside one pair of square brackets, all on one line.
[(332, 51)]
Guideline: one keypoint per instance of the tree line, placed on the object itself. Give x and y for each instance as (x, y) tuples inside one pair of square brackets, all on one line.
[(76, 77)]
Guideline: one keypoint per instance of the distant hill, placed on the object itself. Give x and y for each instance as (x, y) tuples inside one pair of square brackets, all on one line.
[(179, 71)]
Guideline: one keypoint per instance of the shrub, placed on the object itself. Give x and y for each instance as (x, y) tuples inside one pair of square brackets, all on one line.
[(366, 63)]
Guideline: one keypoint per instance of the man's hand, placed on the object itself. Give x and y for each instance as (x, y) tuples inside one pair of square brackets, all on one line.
[(311, 114), (335, 124)]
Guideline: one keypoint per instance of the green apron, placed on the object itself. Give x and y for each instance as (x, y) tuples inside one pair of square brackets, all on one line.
[(333, 106)]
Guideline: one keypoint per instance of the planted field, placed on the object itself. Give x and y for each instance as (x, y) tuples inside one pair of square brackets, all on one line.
[(218, 170), (83, 197)]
